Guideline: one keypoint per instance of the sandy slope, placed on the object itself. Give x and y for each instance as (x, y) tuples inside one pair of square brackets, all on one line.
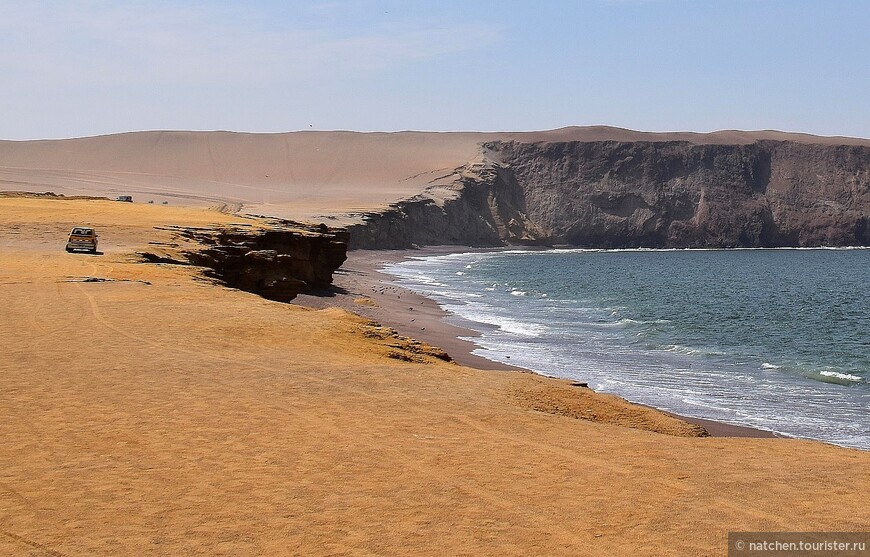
[(181, 418), (300, 175)]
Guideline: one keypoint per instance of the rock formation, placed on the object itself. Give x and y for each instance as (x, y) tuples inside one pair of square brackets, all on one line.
[(277, 263), (589, 186), (665, 194)]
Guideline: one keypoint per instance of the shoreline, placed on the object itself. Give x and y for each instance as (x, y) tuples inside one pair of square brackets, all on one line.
[(203, 419), (416, 316)]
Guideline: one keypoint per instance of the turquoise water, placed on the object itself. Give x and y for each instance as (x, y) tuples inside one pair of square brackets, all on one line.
[(776, 339)]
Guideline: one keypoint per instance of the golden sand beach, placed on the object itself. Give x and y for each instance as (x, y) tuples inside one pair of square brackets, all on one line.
[(159, 413)]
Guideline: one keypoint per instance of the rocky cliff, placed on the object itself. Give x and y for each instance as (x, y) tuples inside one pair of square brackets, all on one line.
[(486, 208), (613, 194), (278, 262)]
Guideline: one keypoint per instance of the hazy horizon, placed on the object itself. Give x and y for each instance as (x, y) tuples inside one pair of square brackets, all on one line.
[(462, 131)]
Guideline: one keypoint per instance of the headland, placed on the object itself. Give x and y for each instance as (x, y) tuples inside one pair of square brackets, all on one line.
[(152, 409)]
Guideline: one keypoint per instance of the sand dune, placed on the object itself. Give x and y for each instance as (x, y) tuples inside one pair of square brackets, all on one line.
[(156, 414), (287, 174), (302, 175)]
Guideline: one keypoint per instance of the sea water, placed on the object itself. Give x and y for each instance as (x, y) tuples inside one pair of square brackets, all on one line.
[(774, 339)]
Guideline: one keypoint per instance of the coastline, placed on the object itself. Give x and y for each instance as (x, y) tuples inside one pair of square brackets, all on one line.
[(203, 419), (359, 286)]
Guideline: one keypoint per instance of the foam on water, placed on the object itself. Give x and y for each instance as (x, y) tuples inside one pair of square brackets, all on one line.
[(842, 376), (693, 332)]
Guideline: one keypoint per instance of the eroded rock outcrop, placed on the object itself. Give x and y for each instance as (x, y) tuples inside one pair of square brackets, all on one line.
[(277, 263), (487, 208), (674, 194), (611, 194)]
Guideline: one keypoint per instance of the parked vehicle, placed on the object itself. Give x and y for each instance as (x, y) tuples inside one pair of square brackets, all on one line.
[(82, 238), (126, 198)]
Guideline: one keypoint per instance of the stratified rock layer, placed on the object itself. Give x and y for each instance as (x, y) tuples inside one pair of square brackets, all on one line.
[(277, 263), (611, 194)]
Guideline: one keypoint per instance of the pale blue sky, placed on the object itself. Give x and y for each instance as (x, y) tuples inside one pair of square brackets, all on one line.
[(87, 67)]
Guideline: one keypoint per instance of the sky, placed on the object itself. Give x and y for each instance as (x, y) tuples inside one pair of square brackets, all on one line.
[(89, 67)]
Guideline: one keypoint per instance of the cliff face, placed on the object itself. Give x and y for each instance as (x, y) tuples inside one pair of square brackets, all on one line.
[(680, 195), (277, 263), (486, 209), (644, 194)]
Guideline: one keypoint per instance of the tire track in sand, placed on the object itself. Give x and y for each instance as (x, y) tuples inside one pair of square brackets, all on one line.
[(468, 487), (33, 544)]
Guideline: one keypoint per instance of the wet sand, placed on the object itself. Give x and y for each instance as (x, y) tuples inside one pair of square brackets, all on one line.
[(362, 288)]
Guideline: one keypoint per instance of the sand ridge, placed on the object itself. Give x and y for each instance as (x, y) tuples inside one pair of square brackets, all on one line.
[(159, 414)]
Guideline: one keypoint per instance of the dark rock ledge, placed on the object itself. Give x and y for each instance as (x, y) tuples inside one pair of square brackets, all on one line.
[(277, 263)]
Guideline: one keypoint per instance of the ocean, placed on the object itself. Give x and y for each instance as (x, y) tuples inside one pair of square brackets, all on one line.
[(774, 339)]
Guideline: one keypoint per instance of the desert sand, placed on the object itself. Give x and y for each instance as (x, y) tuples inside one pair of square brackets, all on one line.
[(158, 413), (308, 175)]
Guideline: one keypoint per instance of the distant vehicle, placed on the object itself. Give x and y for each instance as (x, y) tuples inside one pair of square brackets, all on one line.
[(81, 238), (127, 198)]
